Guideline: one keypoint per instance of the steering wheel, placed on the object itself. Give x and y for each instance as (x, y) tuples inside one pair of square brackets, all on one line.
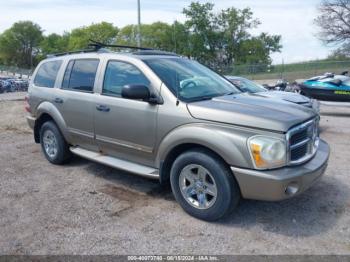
[(188, 84)]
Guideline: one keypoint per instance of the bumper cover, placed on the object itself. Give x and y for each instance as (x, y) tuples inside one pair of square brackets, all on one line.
[(271, 185), (31, 121)]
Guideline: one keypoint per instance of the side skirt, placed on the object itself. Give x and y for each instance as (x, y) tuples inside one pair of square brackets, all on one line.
[(138, 169)]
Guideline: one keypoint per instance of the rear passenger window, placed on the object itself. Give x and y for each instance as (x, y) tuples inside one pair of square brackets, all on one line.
[(47, 73), (119, 74), (80, 75)]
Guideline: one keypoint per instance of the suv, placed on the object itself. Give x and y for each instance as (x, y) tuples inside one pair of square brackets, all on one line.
[(169, 118)]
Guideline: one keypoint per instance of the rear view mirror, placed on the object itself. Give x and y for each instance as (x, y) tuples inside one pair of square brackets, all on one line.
[(137, 92)]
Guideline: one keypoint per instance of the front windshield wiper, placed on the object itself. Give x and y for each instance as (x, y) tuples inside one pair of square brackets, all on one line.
[(200, 98)]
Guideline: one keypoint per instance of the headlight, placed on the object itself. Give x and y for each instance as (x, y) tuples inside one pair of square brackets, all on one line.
[(267, 152)]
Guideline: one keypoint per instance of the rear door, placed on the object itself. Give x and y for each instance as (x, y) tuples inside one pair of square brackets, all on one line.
[(75, 100)]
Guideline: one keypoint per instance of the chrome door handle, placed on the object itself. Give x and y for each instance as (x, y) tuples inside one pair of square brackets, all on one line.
[(58, 100), (103, 108)]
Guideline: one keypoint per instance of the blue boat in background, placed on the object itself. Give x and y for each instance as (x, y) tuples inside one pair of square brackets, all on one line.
[(329, 87)]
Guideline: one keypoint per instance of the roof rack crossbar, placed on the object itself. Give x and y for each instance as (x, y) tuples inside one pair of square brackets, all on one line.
[(98, 45), (72, 52)]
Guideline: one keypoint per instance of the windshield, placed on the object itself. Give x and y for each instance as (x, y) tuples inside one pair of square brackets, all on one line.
[(246, 85), (189, 80)]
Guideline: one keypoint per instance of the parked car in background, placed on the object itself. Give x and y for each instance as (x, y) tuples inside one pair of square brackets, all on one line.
[(7, 85), (246, 85), (10, 84), (2, 87), (169, 118)]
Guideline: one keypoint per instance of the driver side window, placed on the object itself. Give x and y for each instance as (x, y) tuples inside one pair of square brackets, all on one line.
[(119, 74)]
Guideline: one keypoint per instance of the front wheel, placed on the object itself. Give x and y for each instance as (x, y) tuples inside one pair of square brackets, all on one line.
[(204, 185)]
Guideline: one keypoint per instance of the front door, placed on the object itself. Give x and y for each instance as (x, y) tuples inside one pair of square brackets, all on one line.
[(125, 128)]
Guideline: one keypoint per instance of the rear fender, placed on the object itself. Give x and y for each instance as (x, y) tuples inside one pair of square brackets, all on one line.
[(51, 110)]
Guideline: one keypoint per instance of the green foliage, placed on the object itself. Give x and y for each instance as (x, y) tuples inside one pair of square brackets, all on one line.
[(217, 39), (220, 39), (19, 44), (55, 43), (102, 32)]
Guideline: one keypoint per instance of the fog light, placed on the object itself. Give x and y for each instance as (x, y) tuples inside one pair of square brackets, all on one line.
[(292, 189)]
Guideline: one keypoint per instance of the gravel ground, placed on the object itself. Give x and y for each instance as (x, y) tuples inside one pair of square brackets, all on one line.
[(87, 208)]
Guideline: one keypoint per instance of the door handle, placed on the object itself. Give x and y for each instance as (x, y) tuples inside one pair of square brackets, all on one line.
[(58, 100), (103, 108)]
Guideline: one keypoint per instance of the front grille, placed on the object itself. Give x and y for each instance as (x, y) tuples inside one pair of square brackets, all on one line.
[(303, 141), (298, 153), (298, 137)]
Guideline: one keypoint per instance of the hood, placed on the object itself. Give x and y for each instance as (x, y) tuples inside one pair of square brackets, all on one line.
[(251, 110), (287, 96)]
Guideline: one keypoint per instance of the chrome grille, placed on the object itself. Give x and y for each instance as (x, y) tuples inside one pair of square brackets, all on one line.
[(303, 141)]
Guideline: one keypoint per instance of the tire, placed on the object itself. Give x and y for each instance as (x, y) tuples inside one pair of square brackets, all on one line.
[(195, 163), (53, 144)]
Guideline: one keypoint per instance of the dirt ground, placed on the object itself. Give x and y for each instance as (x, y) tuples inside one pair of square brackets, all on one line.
[(87, 208)]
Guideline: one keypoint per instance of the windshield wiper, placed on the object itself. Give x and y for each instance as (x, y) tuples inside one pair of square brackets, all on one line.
[(201, 98)]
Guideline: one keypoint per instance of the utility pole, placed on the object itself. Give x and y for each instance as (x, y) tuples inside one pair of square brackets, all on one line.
[(138, 24)]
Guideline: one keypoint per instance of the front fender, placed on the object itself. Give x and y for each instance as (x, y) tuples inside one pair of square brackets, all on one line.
[(229, 143), (51, 110)]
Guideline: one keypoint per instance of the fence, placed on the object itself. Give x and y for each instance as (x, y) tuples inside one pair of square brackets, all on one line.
[(290, 72), (15, 71)]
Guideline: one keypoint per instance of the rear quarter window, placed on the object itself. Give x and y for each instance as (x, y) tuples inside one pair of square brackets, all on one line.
[(47, 74)]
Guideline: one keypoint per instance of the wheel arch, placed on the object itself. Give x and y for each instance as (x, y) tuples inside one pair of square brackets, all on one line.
[(221, 144), (48, 112)]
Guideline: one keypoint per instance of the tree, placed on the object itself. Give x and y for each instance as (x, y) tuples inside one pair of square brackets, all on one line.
[(223, 38), (54, 43), (234, 26), (201, 25), (19, 44), (334, 22), (102, 32)]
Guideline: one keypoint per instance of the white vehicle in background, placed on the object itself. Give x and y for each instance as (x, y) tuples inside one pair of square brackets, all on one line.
[(248, 86)]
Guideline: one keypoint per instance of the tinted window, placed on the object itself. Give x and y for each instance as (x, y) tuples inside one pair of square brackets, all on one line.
[(119, 74), (80, 75), (190, 80), (66, 77), (47, 73)]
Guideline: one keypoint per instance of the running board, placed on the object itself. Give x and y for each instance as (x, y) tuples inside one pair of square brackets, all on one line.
[(116, 163)]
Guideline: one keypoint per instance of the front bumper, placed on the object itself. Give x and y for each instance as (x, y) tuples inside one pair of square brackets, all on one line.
[(271, 185)]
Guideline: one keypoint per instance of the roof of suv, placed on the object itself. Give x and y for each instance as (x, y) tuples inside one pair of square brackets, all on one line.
[(106, 51)]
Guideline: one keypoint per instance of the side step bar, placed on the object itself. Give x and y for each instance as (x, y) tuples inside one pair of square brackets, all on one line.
[(116, 163)]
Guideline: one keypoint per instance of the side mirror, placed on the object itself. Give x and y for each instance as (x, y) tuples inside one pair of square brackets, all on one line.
[(137, 92)]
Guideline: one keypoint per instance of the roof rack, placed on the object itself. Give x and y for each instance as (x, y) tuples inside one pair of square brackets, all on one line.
[(97, 46), (72, 52), (155, 52)]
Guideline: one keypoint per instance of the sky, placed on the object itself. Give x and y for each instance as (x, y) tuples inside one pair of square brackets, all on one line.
[(292, 19)]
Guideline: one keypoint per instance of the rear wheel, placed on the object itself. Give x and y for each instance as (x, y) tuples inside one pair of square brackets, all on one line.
[(203, 185), (53, 144)]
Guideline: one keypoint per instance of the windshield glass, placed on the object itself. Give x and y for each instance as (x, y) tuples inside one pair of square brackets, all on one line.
[(246, 85), (190, 80)]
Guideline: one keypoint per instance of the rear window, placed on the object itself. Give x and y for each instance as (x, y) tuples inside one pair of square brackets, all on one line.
[(47, 74), (80, 75)]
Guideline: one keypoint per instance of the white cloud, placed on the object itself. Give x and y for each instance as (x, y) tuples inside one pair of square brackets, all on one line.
[(293, 19)]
